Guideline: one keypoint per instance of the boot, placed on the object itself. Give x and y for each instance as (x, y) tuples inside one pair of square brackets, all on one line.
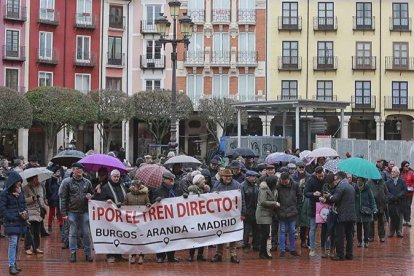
[(73, 257), (18, 269), (13, 270)]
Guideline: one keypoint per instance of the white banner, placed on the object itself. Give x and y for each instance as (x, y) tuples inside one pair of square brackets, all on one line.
[(173, 224)]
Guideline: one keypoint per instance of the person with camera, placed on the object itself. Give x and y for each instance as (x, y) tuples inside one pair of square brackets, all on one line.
[(13, 209)]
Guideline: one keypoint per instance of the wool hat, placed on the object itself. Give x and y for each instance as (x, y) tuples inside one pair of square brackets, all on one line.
[(291, 166), (78, 165), (194, 173), (198, 178), (300, 164), (251, 173), (235, 164), (168, 175)]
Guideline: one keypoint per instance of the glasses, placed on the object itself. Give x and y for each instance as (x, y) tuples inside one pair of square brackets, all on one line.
[(407, 165), (301, 167)]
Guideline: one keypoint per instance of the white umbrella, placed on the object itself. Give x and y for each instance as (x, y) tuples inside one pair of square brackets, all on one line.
[(42, 174), (304, 154), (322, 152), (182, 159)]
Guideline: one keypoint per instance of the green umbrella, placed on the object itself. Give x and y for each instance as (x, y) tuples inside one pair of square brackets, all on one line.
[(359, 167)]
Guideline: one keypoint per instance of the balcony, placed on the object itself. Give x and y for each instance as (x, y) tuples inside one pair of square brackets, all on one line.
[(363, 23), (221, 16), (363, 102), (116, 22), (399, 63), (14, 54), (287, 97), (148, 27), (368, 63), (399, 103), (325, 98), (291, 24), (85, 62), (327, 24), (289, 63), (326, 63), (115, 60), (398, 24), (12, 13), (194, 58), (247, 58), (247, 16), (85, 21), (197, 16), (48, 17), (148, 62), (47, 56), (220, 58)]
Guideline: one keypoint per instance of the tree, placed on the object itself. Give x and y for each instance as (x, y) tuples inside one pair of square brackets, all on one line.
[(113, 108), (15, 110), (153, 107), (55, 107)]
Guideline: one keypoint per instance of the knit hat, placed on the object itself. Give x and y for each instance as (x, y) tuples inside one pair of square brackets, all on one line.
[(194, 173), (198, 178)]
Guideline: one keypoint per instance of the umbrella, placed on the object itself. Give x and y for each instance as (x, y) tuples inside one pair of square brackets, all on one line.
[(95, 161), (67, 157), (322, 152), (280, 157), (41, 172), (332, 165), (244, 152), (182, 159), (304, 154), (151, 175), (359, 167)]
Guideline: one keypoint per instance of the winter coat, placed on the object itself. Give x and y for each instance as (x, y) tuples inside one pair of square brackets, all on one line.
[(249, 194), (396, 192), (289, 197), (312, 186), (52, 191), (164, 192), (266, 204), (221, 187), (118, 188), (364, 198), (344, 200), (34, 200), (11, 206), (72, 195), (240, 177), (408, 178), (137, 196), (195, 189), (379, 191)]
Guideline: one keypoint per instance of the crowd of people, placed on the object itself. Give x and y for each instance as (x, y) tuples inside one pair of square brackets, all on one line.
[(280, 203)]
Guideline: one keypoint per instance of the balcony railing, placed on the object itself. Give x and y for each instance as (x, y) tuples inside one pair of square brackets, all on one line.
[(363, 23), (246, 58), (290, 23), (364, 63), (287, 97), (289, 63), (116, 22), (149, 62), (47, 56), (399, 63), (221, 16), (16, 54), (194, 58), (85, 21), (48, 17), (148, 27), (325, 98), (117, 60), (363, 102), (220, 58), (197, 16), (398, 24), (11, 13), (325, 23), (85, 62), (325, 63), (399, 103), (247, 16)]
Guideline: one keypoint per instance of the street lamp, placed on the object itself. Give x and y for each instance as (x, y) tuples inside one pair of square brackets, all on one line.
[(186, 27)]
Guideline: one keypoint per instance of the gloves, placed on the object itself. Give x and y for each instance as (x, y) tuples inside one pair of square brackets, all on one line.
[(148, 205), (185, 195), (158, 199)]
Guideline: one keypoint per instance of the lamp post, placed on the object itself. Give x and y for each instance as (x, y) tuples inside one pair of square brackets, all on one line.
[(186, 27)]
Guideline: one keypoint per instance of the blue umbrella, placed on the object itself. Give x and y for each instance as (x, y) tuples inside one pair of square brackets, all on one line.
[(359, 167), (280, 157)]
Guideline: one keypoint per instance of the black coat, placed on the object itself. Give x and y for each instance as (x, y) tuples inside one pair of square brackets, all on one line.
[(290, 199), (119, 189), (312, 186), (52, 191), (344, 199), (164, 192), (380, 192), (396, 192), (249, 194)]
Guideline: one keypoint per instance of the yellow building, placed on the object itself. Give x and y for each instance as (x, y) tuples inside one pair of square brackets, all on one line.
[(344, 50)]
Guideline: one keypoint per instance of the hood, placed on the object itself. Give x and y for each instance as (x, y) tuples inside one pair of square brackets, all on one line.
[(12, 179), (142, 190), (263, 185)]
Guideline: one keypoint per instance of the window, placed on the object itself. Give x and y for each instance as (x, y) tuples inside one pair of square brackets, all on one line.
[(45, 78), (221, 48), (12, 78), (220, 86), (83, 82), (84, 12), (152, 85), (45, 45), (289, 89), (399, 93), (290, 54), (195, 87), (115, 50), (247, 48), (364, 15), (114, 83), (325, 54), (153, 11), (47, 10), (246, 88), (400, 18), (247, 11), (324, 90), (221, 10), (83, 48), (400, 55), (116, 18), (325, 15), (196, 10), (290, 14), (363, 93), (13, 8), (153, 49), (363, 54), (195, 52), (12, 43)]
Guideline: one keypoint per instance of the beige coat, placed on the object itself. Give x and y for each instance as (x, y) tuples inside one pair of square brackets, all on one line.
[(33, 206), (137, 196), (266, 204)]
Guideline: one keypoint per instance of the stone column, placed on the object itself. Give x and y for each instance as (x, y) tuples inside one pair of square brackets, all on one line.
[(208, 27), (234, 27), (266, 121), (125, 138), (23, 142), (379, 128), (345, 127), (97, 140)]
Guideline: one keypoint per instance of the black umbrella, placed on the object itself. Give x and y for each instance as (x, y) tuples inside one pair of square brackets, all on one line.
[(244, 152), (67, 157)]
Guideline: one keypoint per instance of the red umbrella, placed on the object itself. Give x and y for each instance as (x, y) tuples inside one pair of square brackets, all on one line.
[(151, 175)]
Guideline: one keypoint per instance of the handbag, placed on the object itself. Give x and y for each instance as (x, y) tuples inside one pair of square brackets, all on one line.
[(364, 209)]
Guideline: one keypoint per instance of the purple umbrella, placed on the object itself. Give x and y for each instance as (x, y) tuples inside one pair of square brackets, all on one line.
[(96, 161)]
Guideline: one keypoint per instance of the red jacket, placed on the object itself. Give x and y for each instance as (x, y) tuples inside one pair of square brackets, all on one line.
[(408, 177)]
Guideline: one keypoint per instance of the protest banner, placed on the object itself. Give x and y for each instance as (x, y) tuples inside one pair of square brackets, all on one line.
[(172, 224)]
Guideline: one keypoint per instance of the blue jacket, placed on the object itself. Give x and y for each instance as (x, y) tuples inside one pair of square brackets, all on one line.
[(221, 187), (11, 206)]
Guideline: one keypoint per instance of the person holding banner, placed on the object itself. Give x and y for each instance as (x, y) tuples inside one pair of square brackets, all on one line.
[(226, 183), (249, 192)]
